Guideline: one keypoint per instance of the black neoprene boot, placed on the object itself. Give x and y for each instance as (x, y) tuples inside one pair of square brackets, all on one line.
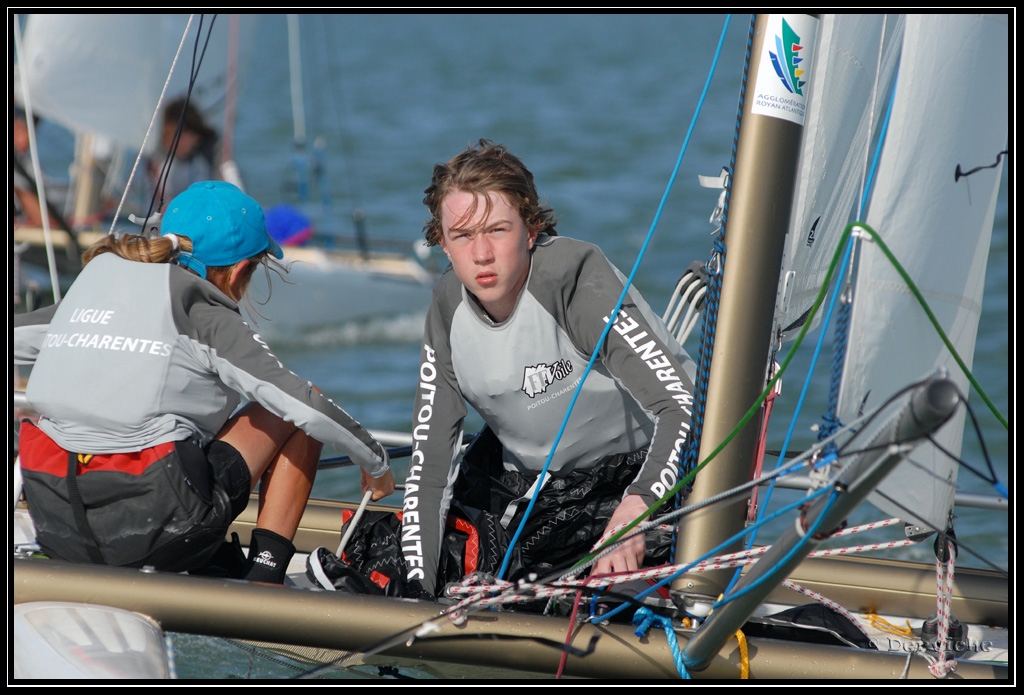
[(269, 555)]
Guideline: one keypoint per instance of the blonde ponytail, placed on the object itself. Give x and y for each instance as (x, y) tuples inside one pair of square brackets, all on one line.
[(135, 247)]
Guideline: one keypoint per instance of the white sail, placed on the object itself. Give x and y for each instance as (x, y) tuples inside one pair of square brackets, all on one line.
[(949, 116), (849, 85), (104, 73)]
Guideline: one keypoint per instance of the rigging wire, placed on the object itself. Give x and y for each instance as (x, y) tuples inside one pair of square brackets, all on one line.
[(831, 420), (861, 428), (149, 131), (528, 592), (37, 169), (421, 631), (295, 81), (960, 543), (716, 550), (227, 143), (608, 324), (912, 286), (806, 538), (197, 60), (850, 229), (675, 514), (810, 532), (991, 478)]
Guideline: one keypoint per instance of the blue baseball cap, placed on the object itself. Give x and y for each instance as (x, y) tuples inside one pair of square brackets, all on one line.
[(224, 224)]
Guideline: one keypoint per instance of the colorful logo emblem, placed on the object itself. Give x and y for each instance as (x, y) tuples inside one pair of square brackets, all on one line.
[(786, 58)]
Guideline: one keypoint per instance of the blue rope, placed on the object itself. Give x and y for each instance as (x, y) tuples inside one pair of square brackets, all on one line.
[(642, 621), (712, 553), (800, 547), (826, 321), (714, 295), (643, 618), (830, 419), (712, 301), (618, 305), (705, 348)]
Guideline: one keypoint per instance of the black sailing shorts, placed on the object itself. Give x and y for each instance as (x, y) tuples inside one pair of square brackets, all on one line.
[(168, 506)]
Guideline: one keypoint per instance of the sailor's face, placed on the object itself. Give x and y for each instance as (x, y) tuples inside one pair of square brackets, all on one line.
[(489, 250)]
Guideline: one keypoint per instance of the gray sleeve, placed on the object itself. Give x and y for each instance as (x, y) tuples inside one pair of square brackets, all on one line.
[(29, 332), (245, 363), (437, 437), (645, 359)]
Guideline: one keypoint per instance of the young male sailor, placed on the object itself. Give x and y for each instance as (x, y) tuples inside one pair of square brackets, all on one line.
[(140, 456), (510, 330)]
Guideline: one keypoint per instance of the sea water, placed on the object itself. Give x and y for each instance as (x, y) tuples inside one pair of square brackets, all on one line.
[(599, 107)]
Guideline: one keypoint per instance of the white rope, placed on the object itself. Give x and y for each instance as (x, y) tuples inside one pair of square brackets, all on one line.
[(479, 594), (676, 301), (37, 169), (149, 129), (861, 548), (688, 293), (827, 602), (866, 527), (692, 316), (351, 525), (940, 666)]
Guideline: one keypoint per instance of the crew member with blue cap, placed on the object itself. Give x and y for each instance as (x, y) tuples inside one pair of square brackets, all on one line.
[(141, 454)]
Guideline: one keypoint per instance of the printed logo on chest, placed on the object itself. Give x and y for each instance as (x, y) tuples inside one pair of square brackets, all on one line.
[(537, 378)]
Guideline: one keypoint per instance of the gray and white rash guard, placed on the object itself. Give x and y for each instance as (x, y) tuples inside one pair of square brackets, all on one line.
[(521, 376), (138, 354)]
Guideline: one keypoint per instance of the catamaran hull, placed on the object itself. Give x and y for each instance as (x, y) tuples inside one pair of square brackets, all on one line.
[(344, 622), (325, 289), (506, 640)]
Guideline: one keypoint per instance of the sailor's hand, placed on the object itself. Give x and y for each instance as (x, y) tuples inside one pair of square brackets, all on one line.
[(382, 486), (630, 555)]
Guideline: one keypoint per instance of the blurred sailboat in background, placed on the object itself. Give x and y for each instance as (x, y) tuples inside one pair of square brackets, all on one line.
[(105, 77)]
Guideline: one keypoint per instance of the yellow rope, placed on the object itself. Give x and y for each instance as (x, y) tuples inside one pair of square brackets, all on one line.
[(880, 623), (744, 656)]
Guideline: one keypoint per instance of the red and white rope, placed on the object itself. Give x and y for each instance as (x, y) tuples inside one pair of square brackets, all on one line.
[(866, 527), (860, 548), (479, 595), (940, 666), (828, 602)]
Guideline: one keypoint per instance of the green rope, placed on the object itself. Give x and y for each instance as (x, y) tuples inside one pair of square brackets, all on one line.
[(785, 364)]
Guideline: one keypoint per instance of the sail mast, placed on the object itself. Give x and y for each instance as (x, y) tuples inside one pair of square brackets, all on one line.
[(756, 220)]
